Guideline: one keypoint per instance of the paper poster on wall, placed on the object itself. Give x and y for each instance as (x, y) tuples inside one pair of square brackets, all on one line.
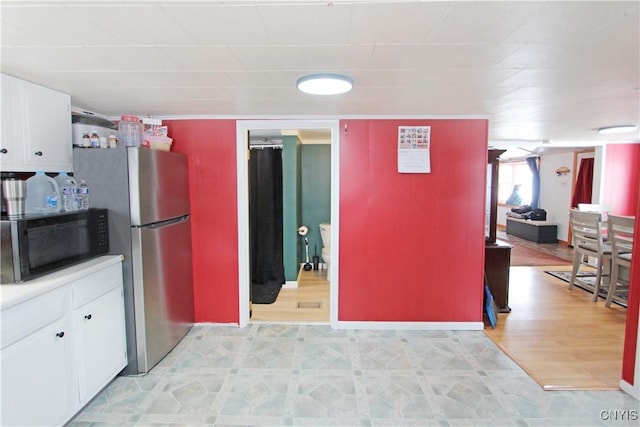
[(414, 154)]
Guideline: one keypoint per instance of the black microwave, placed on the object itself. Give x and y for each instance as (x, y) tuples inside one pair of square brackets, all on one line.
[(36, 245)]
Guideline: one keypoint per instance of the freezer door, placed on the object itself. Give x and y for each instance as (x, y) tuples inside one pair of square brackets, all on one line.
[(163, 288), (158, 185)]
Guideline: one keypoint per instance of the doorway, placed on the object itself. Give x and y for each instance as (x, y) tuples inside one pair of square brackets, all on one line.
[(243, 128)]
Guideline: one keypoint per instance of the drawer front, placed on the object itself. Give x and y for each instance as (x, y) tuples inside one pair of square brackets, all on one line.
[(101, 282), (23, 319)]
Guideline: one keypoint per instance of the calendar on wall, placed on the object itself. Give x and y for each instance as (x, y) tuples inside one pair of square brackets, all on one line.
[(414, 152)]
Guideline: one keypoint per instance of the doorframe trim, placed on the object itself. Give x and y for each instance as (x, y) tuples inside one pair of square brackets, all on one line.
[(242, 128)]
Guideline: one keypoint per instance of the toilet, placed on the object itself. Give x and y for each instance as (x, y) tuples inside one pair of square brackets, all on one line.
[(325, 234)]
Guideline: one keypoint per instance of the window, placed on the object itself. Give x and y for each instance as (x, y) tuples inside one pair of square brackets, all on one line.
[(510, 175)]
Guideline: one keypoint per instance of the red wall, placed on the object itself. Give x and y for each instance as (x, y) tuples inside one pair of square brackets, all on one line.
[(621, 178), (412, 245), (629, 362), (211, 147), (622, 195)]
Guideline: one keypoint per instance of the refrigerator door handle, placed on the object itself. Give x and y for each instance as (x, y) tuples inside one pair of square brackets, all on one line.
[(159, 224)]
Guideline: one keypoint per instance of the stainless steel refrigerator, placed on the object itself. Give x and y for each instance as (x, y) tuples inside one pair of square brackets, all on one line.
[(147, 194)]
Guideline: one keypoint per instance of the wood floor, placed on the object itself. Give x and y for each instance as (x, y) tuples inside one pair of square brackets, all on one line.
[(308, 303), (559, 336)]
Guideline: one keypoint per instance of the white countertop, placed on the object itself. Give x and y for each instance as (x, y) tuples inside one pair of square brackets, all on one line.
[(15, 293)]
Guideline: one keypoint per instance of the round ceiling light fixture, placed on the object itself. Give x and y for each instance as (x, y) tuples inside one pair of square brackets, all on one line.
[(618, 129), (324, 84)]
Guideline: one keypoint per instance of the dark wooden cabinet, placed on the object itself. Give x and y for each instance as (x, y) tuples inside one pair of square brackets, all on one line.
[(497, 260), (497, 254)]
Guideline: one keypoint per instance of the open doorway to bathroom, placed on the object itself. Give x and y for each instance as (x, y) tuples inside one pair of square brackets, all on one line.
[(308, 151)]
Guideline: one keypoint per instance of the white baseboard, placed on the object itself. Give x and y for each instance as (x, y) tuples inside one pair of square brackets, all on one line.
[(290, 284), (413, 326), (286, 322)]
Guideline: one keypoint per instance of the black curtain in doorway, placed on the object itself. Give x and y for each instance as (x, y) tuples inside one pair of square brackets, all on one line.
[(265, 218)]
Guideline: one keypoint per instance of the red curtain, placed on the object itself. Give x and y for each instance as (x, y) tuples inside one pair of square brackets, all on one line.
[(584, 183)]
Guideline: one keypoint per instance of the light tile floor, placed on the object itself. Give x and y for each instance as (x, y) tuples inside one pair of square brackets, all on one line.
[(311, 375)]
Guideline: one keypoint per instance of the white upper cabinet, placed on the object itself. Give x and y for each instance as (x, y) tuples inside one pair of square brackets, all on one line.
[(36, 128)]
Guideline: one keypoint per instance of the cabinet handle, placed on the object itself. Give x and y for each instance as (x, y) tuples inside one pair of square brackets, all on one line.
[(38, 153), (60, 334), (4, 151), (88, 317)]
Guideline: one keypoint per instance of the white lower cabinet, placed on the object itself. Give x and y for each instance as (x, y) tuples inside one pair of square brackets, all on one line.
[(101, 347), (73, 343), (36, 377)]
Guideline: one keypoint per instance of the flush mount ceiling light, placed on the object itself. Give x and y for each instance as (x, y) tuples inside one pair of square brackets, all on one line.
[(324, 84), (618, 129)]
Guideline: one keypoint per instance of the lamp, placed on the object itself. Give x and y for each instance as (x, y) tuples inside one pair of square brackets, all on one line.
[(618, 129), (562, 170), (324, 84)]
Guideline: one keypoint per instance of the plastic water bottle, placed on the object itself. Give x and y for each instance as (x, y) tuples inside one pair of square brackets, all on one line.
[(64, 180), (83, 196), (69, 200)]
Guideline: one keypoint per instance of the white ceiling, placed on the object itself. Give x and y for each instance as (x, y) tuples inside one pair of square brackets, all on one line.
[(552, 71)]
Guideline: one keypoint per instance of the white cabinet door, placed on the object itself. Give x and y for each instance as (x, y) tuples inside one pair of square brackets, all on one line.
[(102, 342), (11, 143), (37, 378), (47, 129), (36, 126)]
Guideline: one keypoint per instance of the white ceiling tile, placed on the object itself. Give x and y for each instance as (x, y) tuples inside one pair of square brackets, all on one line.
[(406, 22), (572, 56), (440, 55), (621, 24), (335, 57), (269, 57), (481, 22), (87, 79), (68, 58), (214, 58), (133, 23), (529, 93), (270, 93), (137, 58), (215, 23), (258, 78), (323, 23), (59, 80), (12, 35), (182, 78), (435, 77), (51, 25), (566, 21)]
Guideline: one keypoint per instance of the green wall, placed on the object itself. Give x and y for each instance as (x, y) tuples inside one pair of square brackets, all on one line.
[(316, 193), (291, 201)]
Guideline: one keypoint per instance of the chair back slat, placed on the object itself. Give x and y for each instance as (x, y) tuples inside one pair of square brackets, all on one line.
[(586, 228), (620, 231)]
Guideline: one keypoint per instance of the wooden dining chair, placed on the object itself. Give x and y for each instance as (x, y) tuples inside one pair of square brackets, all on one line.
[(621, 239), (587, 231)]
